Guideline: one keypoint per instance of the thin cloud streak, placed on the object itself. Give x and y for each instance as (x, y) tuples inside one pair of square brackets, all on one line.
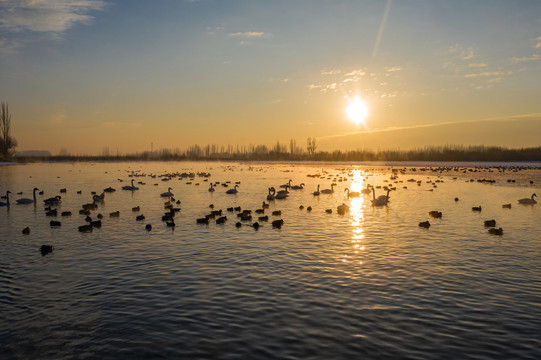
[(381, 27), (536, 116), (247, 34)]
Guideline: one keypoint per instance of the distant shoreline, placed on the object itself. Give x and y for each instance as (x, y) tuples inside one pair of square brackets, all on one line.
[(443, 154)]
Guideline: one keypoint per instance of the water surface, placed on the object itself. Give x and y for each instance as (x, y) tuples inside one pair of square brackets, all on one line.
[(367, 284)]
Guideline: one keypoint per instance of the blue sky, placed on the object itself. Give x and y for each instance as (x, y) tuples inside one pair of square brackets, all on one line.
[(85, 75)]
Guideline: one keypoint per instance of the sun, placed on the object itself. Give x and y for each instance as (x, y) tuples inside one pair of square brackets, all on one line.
[(357, 110)]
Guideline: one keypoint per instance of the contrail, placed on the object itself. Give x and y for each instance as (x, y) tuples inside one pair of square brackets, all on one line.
[(381, 27), (536, 116)]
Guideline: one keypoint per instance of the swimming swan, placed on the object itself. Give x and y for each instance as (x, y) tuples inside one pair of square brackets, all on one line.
[(328, 191), (232, 191), (351, 194), (27, 200), (168, 193), (380, 200), (128, 187), (270, 196), (7, 199), (528, 201)]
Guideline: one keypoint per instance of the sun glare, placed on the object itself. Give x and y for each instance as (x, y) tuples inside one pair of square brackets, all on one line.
[(357, 110)]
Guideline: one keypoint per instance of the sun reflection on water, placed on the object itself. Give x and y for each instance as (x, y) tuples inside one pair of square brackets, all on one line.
[(356, 211)]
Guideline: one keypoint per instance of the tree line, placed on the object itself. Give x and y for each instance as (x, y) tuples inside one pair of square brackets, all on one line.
[(281, 152)]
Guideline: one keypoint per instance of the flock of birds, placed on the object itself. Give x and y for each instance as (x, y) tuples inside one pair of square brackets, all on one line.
[(219, 216)]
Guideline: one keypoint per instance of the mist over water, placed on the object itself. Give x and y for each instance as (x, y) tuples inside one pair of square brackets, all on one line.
[(367, 284)]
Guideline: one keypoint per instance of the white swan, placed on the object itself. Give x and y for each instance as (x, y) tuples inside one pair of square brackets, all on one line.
[(316, 193), (528, 201), (380, 200), (232, 191), (328, 191), (128, 187), (270, 196), (211, 188), (7, 199), (286, 185), (298, 187), (168, 193), (351, 194), (27, 200)]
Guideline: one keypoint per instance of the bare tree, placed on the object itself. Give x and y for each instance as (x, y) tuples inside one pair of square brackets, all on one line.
[(7, 142), (311, 146)]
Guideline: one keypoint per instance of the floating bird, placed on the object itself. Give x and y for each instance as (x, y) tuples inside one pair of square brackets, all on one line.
[(211, 188), (317, 192), (278, 223), (476, 208), (490, 223), (27, 200), (435, 214), (351, 194), (128, 187), (328, 191), (271, 194), (100, 197), (7, 199), (528, 201), (148, 227), (232, 191), (495, 231), (45, 249), (53, 200), (285, 186), (168, 193), (506, 206), (424, 224), (26, 231), (85, 228), (342, 209), (109, 189), (380, 200), (298, 187)]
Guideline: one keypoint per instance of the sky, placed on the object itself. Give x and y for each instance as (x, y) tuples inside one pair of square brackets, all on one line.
[(86, 76)]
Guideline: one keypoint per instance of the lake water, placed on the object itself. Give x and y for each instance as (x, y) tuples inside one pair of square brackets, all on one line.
[(369, 284)]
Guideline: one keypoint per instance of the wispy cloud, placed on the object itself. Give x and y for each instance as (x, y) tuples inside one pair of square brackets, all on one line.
[(478, 65), (58, 117), (534, 57), (247, 34), (53, 16), (538, 45), (485, 74)]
